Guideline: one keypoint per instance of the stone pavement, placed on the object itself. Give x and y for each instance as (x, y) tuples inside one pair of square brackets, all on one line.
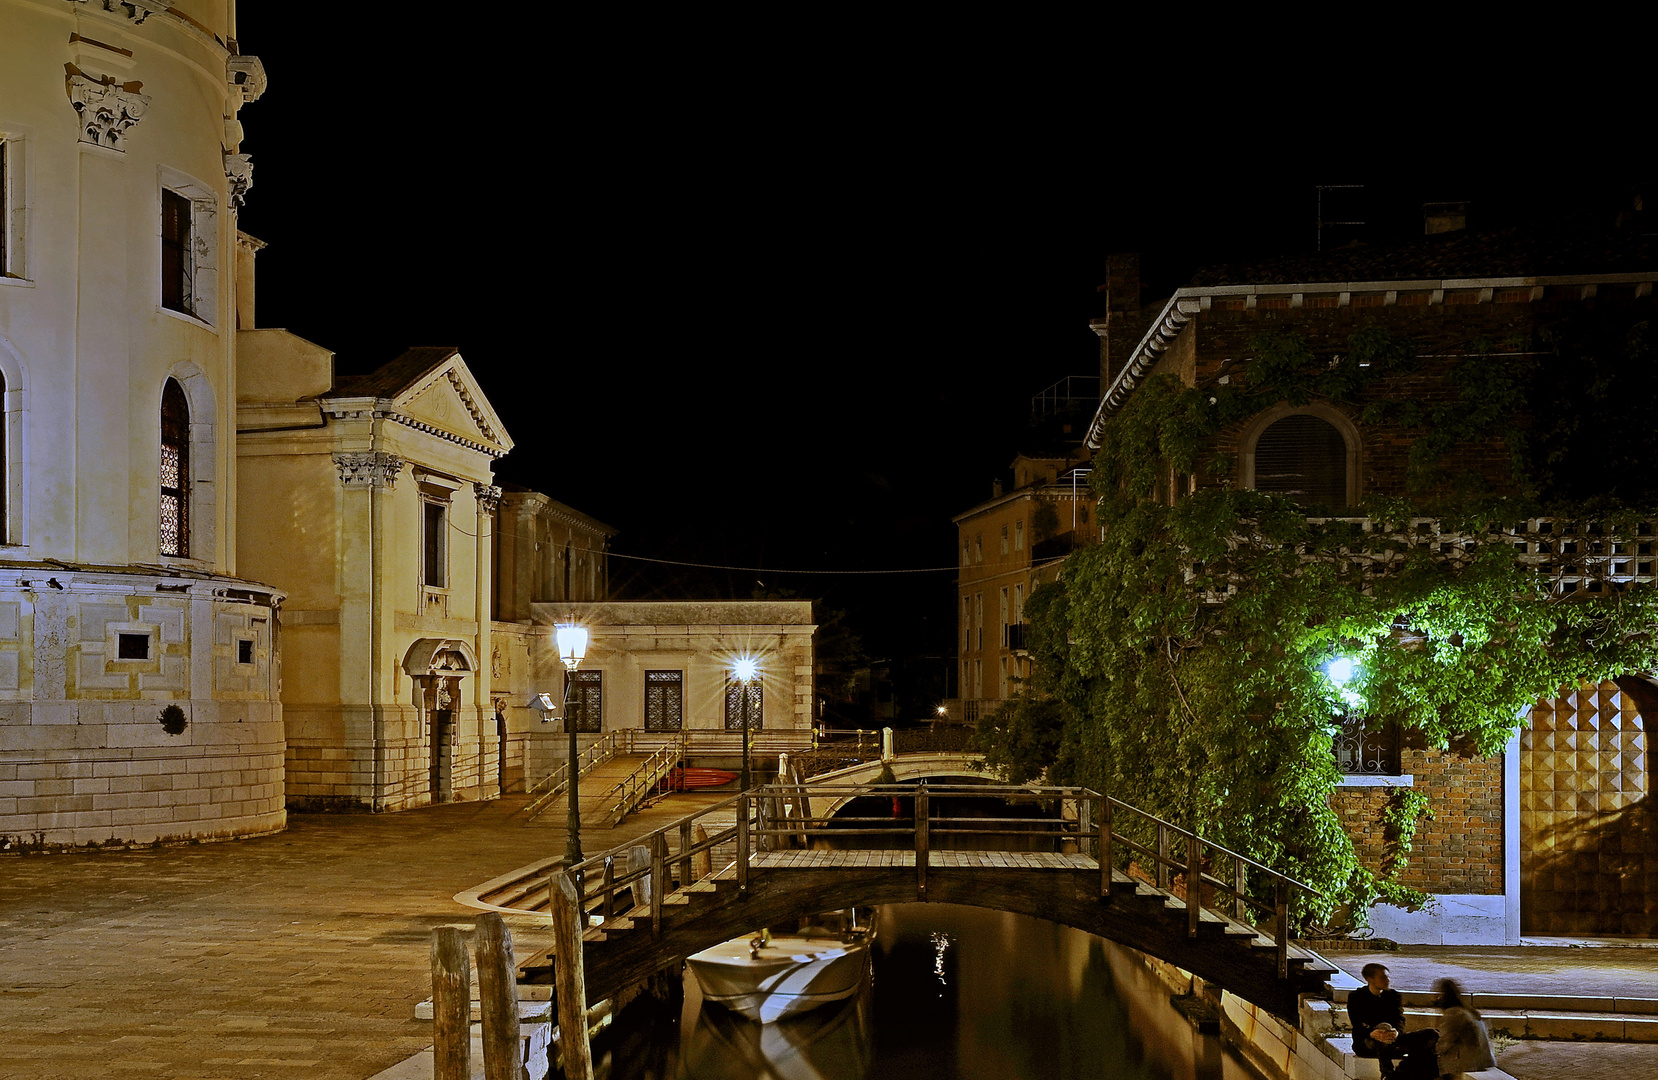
[(299, 955), (1602, 970), (303, 954)]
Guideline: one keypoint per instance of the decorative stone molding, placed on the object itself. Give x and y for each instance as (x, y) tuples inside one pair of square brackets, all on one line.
[(246, 76), (489, 497), (239, 171), (368, 470), (107, 109), (136, 10)]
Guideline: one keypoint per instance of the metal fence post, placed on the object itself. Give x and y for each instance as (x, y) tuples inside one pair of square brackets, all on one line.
[(1162, 856), (1281, 906)]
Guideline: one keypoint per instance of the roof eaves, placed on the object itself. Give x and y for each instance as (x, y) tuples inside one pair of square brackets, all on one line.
[(1189, 301)]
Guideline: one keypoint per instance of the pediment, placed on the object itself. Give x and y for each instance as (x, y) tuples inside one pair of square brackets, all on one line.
[(450, 402)]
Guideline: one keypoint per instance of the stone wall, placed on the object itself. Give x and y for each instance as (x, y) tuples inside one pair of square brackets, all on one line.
[(89, 753)]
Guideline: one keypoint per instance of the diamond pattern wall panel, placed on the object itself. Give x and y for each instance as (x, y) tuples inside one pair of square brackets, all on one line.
[(1588, 850)]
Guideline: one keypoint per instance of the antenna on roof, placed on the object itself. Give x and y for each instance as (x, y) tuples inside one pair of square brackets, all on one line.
[(1320, 189)]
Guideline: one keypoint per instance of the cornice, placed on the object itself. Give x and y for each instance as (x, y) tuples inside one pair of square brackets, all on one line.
[(1187, 303)]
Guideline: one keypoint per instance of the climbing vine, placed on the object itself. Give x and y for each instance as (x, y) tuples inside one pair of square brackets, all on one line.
[(1221, 714), (1404, 811)]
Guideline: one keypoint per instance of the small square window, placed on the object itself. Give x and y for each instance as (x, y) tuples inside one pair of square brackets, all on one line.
[(132, 646), (244, 651)]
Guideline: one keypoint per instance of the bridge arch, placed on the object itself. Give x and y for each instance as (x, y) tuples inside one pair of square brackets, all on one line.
[(1136, 916), (950, 765)]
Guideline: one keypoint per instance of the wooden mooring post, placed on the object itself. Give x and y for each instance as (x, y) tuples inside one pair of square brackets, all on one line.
[(569, 977), (451, 1005), (498, 999)]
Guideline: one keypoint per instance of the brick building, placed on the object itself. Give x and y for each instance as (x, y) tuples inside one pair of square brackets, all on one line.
[(1549, 836)]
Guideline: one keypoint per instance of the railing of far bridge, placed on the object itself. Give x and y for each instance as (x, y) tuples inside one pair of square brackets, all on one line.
[(1106, 831)]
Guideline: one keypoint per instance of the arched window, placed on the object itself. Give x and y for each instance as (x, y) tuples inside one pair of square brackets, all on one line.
[(1305, 457), (175, 471)]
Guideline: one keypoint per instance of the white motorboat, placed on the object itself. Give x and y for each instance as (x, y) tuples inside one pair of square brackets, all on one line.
[(774, 974)]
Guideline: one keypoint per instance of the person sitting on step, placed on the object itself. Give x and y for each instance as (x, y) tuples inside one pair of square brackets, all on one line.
[(1377, 1014)]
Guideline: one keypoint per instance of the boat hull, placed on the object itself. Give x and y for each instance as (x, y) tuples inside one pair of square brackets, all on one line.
[(787, 976)]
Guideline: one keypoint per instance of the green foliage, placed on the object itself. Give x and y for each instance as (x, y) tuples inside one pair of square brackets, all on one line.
[(172, 720), (1220, 715), (1404, 811)]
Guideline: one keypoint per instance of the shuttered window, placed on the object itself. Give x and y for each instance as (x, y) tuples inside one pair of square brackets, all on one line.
[(177, 289), (1305, 458), (735, 692), (586, 697), (664, 700)]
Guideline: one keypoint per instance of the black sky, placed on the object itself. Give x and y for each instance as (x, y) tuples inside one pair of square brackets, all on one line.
[(788, 314)]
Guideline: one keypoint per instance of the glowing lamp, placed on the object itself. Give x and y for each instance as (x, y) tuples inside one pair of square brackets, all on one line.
[(572, 643), (745, 668), (1341, 670)]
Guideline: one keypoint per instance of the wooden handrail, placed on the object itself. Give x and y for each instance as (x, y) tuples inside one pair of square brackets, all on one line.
[(759, 826)]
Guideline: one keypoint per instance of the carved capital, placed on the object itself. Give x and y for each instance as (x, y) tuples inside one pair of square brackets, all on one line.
[(107, 109), (368, 470), (239, 171), (489, 497)]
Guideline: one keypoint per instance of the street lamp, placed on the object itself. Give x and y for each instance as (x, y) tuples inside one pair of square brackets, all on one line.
[(745, 669), (572, 647)]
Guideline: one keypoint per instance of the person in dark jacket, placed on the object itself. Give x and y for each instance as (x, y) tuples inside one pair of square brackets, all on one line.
[(1377, 1014)]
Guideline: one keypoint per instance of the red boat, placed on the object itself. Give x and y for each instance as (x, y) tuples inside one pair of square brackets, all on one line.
[(694, 778)]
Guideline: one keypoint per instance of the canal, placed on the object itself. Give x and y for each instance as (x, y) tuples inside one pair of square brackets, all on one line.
[(955, 993)]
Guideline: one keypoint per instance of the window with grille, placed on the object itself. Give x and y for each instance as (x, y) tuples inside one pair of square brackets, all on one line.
[(175, 471), (1363, 749), (177, 260), (1304, 457), (664, 700), (584, 691), (739, 695)]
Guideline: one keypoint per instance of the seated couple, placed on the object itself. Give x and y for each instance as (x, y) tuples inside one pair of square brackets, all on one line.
[(1459, 1044)]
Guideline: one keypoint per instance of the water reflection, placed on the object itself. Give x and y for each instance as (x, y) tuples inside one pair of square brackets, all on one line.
[(956, 993)]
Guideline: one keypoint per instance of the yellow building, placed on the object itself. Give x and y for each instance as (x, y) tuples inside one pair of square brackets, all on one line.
[(138, 668), (375, 510), (1005, 547)]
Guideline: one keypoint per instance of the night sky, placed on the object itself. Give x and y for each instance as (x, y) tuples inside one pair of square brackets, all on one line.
[(787, 315)]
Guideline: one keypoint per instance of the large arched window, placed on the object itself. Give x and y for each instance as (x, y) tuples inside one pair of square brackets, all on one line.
[(1304, 455), (175, 471)]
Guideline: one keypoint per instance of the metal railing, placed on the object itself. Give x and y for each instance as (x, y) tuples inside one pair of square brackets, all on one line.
[(607, 747), (779, 816)]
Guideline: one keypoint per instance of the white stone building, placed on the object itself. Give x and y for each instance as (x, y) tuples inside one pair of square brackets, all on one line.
[(139, 675), (376, 514)]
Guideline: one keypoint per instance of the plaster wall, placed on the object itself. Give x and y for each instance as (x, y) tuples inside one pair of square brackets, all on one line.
[(85, 350), (343, 520)]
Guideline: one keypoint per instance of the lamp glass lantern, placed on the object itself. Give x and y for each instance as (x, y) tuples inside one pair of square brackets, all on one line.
[(572, 644), (745, 669)]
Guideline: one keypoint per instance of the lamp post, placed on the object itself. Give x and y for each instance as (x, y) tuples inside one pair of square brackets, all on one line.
[(572, 647), (745, 669)]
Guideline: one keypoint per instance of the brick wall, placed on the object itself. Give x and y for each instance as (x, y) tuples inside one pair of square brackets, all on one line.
[(1460, 851)]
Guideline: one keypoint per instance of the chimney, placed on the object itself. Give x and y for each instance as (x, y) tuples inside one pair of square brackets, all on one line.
[(1444, 217), (1120, 329)]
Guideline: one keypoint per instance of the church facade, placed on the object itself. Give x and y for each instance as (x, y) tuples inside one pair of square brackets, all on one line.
[(139, 668)]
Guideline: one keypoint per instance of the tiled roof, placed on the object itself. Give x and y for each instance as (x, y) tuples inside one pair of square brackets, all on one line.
[(393, 378), (1511, 252)]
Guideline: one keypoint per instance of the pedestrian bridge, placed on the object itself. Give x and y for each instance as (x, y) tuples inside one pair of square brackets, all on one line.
[(1091, 862)]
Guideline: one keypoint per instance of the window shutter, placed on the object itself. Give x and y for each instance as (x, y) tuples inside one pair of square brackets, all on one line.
[(1305, 458)]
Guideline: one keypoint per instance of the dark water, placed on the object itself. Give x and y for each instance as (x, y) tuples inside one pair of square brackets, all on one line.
[(956, 993)]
